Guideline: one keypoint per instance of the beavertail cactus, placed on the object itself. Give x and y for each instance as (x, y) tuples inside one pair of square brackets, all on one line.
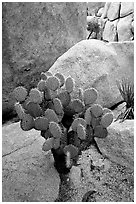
[(67, 124), (106, 119), (48, 144), (76, 122), (41, 123), (55, 129), (52, 83), (35, 96), (96, 110), (58, 106), (20, 111), (20, 93), (90, 96), (34, 109), (51, 115), (61, 78), (65, 98), (27, 122), (69, 84), (77, 105), (41, 86), (81, 132)]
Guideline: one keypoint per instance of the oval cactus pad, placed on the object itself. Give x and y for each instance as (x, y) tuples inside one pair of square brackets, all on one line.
[(20, 93), (52, 83), (27, 123), (88, 116), (48, 144), (100, 131), (41, 123), (106, 119), (96, 110), (34, 109), (41, 85), (35, 96), (77, 105), (90, 95), (69, 84), (81, 132), (51, 115), (55, 129), (61, 78), (19, 110), (76, 122), (65, 98)]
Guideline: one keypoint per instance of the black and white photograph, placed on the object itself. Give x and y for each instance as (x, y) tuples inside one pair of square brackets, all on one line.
[(67, 101)]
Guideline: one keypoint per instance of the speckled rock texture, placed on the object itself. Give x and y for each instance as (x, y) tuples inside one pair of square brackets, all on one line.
[(35, 34), (94, 63), (28, 174), (119, 144)]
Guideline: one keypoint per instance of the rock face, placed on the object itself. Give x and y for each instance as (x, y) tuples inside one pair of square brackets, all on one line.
[(28, 174), (34, 36), (94, 63), (119, 16), (119, 144), (93, 7)]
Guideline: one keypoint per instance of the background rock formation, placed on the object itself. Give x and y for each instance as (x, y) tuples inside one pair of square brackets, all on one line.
[(34, 36), (119, 21)]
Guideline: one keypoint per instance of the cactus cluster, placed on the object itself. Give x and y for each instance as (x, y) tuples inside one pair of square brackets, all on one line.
[(47, 107)]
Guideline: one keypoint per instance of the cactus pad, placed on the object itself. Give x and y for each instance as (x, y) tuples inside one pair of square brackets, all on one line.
[(43, 76), (96, 110), (77, 105), (81, 94), (106, 110), (20, 93), (55, 129), (53, 94), (48, 74), (48, 144), (41, 123), (90, 96), (56, 143), (72, 149), (88, 116), (100, 131), (106, 119), (34, 109), (46, 134), (51, 115), (41, 85), (35, 96), (52, 83), (19, 110), (65, 98), (47, 95), (95, 121), (27, 123), (76, 122), (61, 78), (81, 132), (69, 84), (58, 106)]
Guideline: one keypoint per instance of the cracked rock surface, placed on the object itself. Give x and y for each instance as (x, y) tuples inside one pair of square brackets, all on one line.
[(28, 174)]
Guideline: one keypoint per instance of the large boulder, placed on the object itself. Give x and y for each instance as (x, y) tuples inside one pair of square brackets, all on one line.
[(118, 146), (34, 35), (28, 173), (94, 63)]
